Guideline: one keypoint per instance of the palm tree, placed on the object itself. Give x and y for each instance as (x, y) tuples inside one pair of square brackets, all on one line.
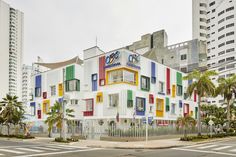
[(226, 88), (55, 116), (204, 87), (186, 123), (12, 111)]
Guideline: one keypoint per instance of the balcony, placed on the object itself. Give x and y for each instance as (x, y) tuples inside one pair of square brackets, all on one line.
[(88, 113)]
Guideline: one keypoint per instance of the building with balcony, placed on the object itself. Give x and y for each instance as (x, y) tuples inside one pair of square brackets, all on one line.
[(214, 21), (11, 48), (116, 87)]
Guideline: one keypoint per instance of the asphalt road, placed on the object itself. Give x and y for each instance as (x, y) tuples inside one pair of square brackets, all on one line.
[(26, 149)]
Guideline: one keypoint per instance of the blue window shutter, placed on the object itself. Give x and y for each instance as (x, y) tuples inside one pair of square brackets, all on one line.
[(153, 69), (94, 82), (180, 104), (32, 104), (38, 80)]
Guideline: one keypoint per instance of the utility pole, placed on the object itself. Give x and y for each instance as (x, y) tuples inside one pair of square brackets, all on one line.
[(63, 108)]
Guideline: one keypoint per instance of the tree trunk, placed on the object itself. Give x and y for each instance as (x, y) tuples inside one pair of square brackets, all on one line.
[(199, 117), (228, 115), (8, 129)]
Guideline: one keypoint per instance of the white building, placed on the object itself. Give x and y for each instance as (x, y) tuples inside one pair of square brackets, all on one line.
[(214, 21), (27, 92), (118, 87), (11, 48)]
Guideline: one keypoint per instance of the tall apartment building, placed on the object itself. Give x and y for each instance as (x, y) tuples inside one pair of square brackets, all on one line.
[(184, 56), (214, 22), (27, 92), (11, 47)]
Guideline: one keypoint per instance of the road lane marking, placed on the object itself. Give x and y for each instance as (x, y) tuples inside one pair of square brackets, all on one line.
[(11, 151), (204, 151), (59, 147), (209, 146), (30, 150), (45, 148), (54, 153), (220, 148), (1, 154), (233, 150), (198, 145)]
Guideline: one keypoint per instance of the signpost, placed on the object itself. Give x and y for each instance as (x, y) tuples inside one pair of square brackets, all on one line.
[(211, 123)]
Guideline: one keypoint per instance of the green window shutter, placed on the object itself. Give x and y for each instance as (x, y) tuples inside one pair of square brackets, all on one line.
[(196, 112), (70, 72), (130, 95), (78, 85), (67, 86), (179, 78), (167, 104)]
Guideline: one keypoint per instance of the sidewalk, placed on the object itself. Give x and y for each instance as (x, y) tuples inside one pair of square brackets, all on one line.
[(153, 144)]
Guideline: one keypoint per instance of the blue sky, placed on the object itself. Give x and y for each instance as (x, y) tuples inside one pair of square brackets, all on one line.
[(60, 29)]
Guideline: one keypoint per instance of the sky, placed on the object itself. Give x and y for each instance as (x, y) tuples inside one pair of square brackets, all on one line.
[(57, 30)]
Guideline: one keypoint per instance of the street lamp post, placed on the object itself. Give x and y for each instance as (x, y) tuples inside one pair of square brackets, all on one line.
[(63, 108)]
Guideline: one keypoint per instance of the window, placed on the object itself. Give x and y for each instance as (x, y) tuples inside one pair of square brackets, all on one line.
[(203, 5), (203, 20), (122, 75), (129, 98), (160, 105), (230, 33), (230, 66), (203, 12), (229, 58), (74, 101), (89, 105), (145, 83), (37, 92), (140, 104), (220, 37), (161, 87), (213, 10), (230, 25), (222, 20), (113, 100), (220, 13), (229, 75), (229, 42), (220, 29), (53, 90), (173, 108), (229, 17), (72, 85), (202, 34), (179, 90), (221, 69), (222, 44), (212, 3), (221, 61), (229, 50), (184, 57), (229, 9), (221, 53), (99, 97)]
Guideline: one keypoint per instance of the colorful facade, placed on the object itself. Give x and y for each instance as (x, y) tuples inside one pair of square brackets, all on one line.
[(118, 86)]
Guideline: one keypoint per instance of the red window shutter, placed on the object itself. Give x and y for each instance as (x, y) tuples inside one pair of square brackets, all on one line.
[(39, 114), (195, 96), (44, 95), (151, 99), (101, 70), (168, 80)]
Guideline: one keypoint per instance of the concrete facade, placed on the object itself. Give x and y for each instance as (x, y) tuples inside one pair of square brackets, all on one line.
[(184, 56), (117, 86)]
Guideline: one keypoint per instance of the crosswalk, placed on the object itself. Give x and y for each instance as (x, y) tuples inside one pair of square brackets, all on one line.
[(39, 150), (213, 148)]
